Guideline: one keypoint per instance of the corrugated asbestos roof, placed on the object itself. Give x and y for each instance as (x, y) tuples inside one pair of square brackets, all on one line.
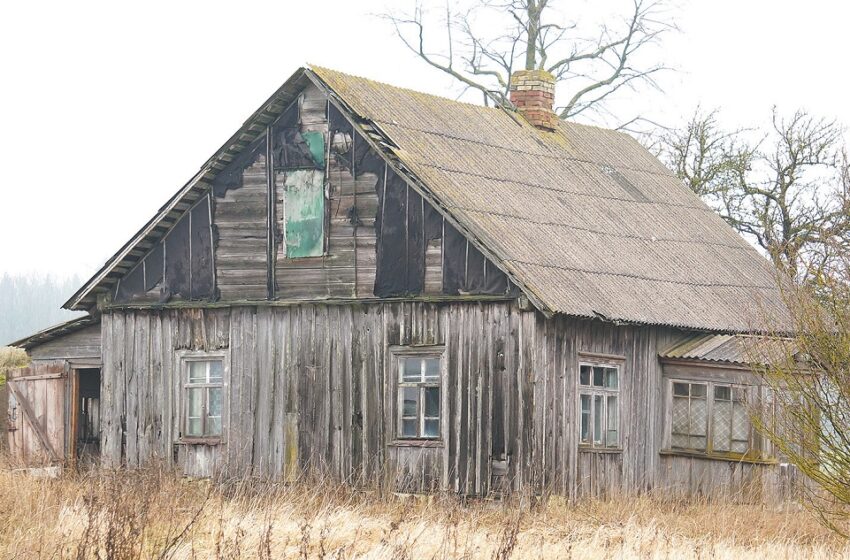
[(584, 218), (736, 349), (54, 332)]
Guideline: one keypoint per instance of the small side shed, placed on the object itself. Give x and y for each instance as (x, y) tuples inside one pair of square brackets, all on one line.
[(64, 377)]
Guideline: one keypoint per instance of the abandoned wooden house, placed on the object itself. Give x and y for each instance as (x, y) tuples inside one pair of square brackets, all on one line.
[(378, 284)]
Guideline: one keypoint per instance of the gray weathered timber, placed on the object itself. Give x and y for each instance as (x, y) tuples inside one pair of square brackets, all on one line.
[(84, 343), (312, 388)]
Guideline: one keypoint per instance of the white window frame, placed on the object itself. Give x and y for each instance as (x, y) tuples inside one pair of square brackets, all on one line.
[(431, 352), (601, 394), (187, 358), (749, 392)]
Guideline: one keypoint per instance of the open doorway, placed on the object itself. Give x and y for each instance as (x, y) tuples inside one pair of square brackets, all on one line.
[(85, 416)]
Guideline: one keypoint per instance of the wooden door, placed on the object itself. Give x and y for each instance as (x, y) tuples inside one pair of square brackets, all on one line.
[(37, 415)]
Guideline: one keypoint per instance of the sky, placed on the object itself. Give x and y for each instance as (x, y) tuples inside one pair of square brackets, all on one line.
[(108, 108)]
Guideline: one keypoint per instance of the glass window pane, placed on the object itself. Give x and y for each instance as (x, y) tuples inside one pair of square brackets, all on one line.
[(410, 402), (432, 428), (193, 427), (721, 424), (740, 424), (611, 378), (585, 418), (699, 417), (197, 372), (739, 394), (214, 426), (216, 371), (680, 416), (598, 376), (611, 418), (584, 375), (214, 400), (408, 428), (432, 369), (195, 398), (597, 419), (680, 389), (697, 390), (432, 402), (697, 443), (411, 370), (722, 393)]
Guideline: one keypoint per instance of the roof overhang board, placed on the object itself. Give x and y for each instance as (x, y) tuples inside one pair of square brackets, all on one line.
[(129, 254), (384, 149), (56, 331)]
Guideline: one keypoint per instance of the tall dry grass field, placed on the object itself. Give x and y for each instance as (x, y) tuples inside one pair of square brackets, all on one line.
[(155, 514)]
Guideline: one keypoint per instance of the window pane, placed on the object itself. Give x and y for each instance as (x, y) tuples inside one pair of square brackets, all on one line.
[(432, 369), (193, 427), (697, 390), (680, 416), (216, 371), (584, 375), (597, 419), (411, 370), (197, 372), (195, 402), (214, 426), (194, 409), (740, 428), (432, 428), (721, 424), (612, 426), (214, 400), (410, 402), (722, 393), (699, 417), (408, 428), (585, 418), (432, 402), (611, 378), (680, 389), (598, 376)]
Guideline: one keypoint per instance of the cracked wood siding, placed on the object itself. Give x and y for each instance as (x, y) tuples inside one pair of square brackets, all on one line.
[(310, 387)]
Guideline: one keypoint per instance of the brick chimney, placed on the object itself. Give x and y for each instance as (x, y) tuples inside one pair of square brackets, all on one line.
[(533, 93)]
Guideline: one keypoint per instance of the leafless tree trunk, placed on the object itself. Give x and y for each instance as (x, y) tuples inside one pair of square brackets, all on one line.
[(484, 41)]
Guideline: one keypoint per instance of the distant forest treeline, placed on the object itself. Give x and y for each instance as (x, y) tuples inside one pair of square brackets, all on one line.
[(31, 302)]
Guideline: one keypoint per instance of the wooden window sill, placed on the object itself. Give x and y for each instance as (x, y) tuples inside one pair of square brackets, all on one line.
[(589, 449), (199, 441), (416, 443), (716, 457)]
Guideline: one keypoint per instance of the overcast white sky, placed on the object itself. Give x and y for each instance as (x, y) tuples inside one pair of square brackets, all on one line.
[(107, 108)]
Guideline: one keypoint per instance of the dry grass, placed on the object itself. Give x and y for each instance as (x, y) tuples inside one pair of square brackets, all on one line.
[(154, 514)]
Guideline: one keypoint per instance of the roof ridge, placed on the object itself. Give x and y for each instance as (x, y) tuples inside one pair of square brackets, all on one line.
[(319, 70)]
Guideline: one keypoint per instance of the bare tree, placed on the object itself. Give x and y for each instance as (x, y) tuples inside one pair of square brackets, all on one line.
[(808, 416), (593, 61), (788, 191)]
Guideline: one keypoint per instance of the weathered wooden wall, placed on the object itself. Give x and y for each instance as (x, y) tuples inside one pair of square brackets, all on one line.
[(310, 385), (84, 343)]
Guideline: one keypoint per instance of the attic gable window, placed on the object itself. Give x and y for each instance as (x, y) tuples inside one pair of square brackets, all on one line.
[(599, 404)]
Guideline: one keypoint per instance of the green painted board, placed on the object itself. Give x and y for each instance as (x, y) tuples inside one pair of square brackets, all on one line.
[(304, 211), (316, 144)]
